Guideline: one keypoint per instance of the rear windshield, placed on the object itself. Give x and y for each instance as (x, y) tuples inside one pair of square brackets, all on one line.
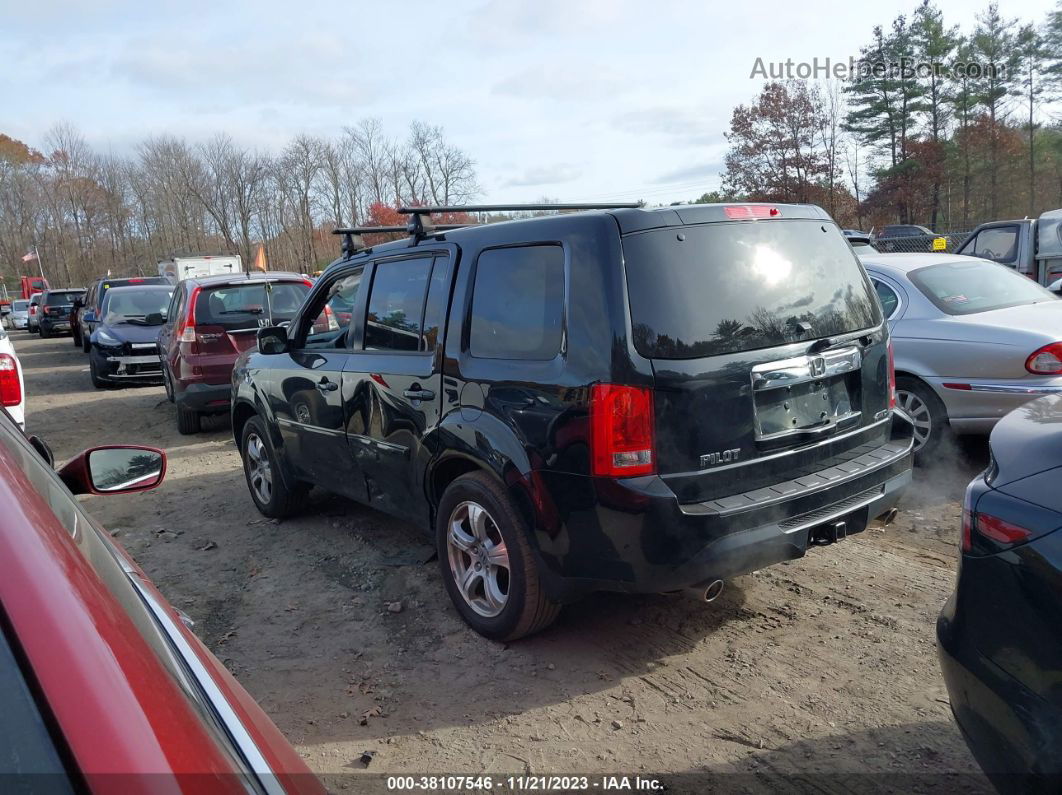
[(61, 299), (963, 288), (727, 287), (242, 306)]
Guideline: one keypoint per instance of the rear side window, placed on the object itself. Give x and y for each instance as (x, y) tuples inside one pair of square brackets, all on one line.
[(242, 306), (888, 298), (396, 305), (728, 287), (518, 303)]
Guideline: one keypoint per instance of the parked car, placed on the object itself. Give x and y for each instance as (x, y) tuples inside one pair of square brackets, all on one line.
[(903, 237), (86, 317), (623, 400), (1032, 246), (104, 685), (973, 340), (19, 313), (211, 320), (998, 636), (125, 342), (32, 316), (56, 307), (12, 387)]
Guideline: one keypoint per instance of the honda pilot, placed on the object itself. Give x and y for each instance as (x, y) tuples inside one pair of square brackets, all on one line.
[(620, 399)]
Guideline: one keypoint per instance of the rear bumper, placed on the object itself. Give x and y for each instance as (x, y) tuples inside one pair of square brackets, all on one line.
[(635, 536), (1013, 733), (204, 397), (49, 325)]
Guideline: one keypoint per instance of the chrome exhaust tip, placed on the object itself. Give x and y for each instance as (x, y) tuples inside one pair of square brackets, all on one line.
[(707, 593), (889, 517)]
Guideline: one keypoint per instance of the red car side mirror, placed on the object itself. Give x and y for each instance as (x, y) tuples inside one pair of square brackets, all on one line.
[(114, 469)]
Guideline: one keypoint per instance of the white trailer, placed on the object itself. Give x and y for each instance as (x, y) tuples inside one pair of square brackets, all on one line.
[(188, 267)]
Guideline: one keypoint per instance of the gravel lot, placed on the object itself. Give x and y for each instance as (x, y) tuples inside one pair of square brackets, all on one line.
[(823, 669)]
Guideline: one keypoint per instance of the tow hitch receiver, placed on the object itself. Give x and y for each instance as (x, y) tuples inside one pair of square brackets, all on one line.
[(829, 533)]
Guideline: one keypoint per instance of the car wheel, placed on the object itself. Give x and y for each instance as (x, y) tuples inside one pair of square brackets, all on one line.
[(86, 343), (76, 336), (487, 564), (44, 334), (187, 421), (261, 468), (94, 374), (927, 413)]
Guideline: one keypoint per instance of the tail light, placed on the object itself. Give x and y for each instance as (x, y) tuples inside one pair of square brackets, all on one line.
[(185, 331), (33, 309), (892, 378), (747, 212), (978, 528), (10, 388), (621, 431), (1046, 361)]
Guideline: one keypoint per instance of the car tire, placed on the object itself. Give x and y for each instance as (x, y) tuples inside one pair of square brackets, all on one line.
[(97, 382), (86, 344), (261, 469), (501, 597), (44, 334), (75, 335), (928, 413), (187, 421)]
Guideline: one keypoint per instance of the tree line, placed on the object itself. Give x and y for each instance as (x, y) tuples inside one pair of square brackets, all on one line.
[(936, 126), (90, 212)]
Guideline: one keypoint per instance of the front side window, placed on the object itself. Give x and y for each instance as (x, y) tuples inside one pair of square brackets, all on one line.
[(969, 286), (396, 305), (999, 244), (332, 313), (518, 303)]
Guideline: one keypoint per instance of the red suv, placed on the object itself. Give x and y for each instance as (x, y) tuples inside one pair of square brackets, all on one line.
[(210, 321), (103, 686)]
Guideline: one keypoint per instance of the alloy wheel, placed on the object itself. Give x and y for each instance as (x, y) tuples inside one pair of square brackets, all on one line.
[(479, 561), (921, 418), (259, 470)]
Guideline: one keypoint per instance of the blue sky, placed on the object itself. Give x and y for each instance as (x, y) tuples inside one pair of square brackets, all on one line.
[(573, 99)]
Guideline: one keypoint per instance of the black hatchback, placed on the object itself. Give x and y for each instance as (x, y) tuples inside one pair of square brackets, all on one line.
[(1000, 634), (629, 400)]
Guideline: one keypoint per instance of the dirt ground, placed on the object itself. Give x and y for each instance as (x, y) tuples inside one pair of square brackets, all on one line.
[(816, 675)]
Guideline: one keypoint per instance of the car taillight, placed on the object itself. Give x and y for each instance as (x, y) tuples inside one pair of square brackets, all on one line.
[(621, 431), (33, 309), (10, 388), (892, 378), (1046, 361), (746, 212), (185, 331)]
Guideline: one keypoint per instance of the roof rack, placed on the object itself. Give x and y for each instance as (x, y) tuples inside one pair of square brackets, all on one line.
[(420, 225), (353, 242)]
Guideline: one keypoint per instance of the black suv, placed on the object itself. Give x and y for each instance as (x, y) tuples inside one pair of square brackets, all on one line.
[(56, 309), (629, 400), (86, 314)]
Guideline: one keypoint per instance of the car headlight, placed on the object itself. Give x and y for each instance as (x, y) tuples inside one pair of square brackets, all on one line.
[(105, 339)]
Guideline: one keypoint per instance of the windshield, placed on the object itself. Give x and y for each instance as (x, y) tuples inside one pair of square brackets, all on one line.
[(963, 288), (19, 306), (244, 306), (727, 287), (144, 307), (61, 299)]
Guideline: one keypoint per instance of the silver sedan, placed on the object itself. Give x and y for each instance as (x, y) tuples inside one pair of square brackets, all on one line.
[(972, 340)]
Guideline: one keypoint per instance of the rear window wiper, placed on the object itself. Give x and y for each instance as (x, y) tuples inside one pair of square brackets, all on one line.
[(248, 311)]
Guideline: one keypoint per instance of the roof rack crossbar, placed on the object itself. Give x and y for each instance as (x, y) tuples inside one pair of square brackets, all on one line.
[(492, 208), (353, 241)]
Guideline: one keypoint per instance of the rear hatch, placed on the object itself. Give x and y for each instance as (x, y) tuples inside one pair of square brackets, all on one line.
[(228, 316), (766, 342), (59, 305)]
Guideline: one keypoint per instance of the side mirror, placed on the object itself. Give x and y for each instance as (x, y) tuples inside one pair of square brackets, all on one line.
[(89, 317), (78, 303), (155, 319), (273, 339), (114, 469)]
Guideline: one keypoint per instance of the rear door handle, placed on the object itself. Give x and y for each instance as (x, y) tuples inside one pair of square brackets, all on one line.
[(419, 394), (327, 386)]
